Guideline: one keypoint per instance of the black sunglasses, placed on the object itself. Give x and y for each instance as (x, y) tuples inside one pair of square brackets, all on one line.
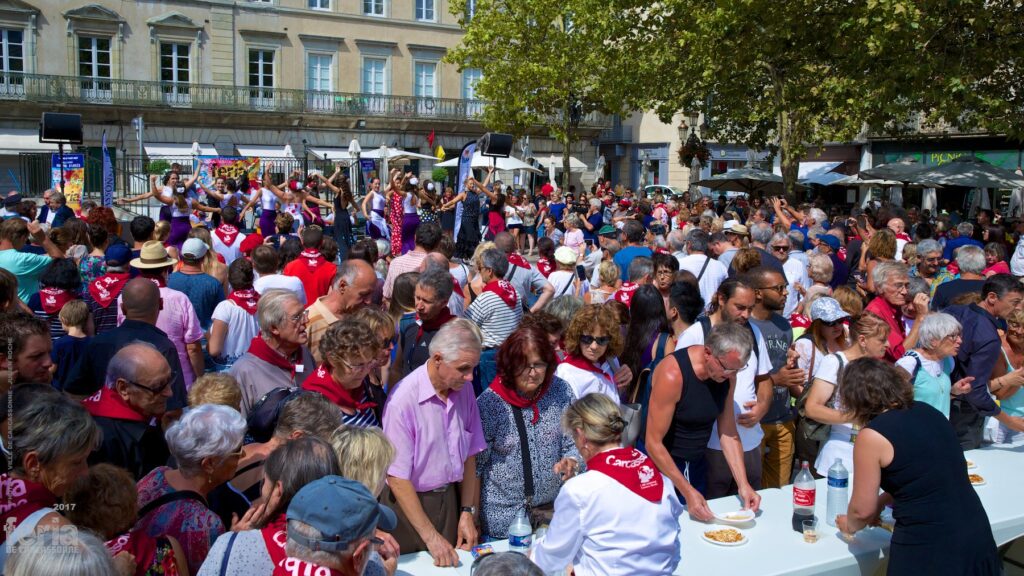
[(154, 391), (587, 340), (833, 323)]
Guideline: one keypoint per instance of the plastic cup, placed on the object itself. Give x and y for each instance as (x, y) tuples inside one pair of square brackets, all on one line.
[(810, 530)]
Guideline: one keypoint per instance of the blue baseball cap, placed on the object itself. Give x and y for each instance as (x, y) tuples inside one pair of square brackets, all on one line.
[(342, 510), (829, 240), (117, 255)]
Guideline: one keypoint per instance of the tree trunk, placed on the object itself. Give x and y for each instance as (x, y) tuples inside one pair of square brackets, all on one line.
[(789, 160), (565, 149)]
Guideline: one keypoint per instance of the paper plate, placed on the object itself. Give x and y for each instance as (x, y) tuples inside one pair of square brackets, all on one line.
[(978, 483), (742, 541), (971, 465), (737, 517)]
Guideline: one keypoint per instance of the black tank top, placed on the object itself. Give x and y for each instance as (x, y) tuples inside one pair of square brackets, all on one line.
[(696, 412)]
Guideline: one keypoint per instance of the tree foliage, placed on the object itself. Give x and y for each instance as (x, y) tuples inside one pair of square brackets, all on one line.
[(539, 58)]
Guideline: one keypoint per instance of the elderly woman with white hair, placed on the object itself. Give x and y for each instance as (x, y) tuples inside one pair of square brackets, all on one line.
[(206, 443), (278, 356), (65, 552), (930, 364)]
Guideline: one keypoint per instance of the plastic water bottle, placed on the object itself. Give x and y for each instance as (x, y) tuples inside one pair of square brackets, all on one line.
[(520, 534), (804, 490), (838, 491)]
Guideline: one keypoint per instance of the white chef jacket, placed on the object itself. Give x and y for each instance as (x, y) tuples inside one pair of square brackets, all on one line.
[(603, 528), (746, 390)]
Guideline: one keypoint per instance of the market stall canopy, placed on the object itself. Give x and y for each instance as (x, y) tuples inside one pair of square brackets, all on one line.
[(575, 164), (820, 173), (172, 149), (748, 180), (856, 180), (970, 172), (480, 161), (393, 154), (253, 150), (14, 141), (901, 170)]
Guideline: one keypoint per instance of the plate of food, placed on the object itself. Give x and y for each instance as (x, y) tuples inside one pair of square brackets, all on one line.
[(971, 465), (725, 537), (976, 479), (737, 517)]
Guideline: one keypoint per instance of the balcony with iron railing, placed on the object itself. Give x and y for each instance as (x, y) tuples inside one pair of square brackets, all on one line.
[(44, 89)]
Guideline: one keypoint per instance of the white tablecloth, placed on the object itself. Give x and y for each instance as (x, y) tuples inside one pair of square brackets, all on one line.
[(775, 549)]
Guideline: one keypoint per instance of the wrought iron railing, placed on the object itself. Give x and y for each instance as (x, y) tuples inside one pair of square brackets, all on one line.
[(140, 93)]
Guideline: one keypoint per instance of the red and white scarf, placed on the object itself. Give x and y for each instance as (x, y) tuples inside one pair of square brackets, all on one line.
[(504, 289), (275, 537), (442, 318), (631, 468), (246, 299), (141, 546), (322, 381), (158, 280), (584, 364), (19, 499), (509, 395), (544, 267), (107, 403), (227, 234), (53, 299), (260, 349), (518, 260), (625, 293), (312, 258), (107, 288)]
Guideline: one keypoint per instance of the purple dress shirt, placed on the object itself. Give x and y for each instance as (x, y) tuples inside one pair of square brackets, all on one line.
[(432, 437)]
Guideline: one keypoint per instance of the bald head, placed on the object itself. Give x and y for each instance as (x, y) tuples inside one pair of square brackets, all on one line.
[(434, 259), (504, 242), (140, 300)]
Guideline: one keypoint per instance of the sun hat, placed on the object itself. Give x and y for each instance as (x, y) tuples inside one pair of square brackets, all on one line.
[(566, 255), (153, 255), (734, 227)]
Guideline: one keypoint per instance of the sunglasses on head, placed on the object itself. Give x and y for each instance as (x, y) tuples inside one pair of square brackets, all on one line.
[(587, 340)]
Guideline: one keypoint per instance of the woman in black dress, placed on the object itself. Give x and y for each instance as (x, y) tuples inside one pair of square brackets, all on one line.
[(909, 450)]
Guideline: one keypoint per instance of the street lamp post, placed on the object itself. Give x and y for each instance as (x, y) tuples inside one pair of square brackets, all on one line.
[(354, 150)]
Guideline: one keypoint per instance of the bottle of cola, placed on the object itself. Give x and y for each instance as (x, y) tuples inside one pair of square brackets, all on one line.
[(804, 490)]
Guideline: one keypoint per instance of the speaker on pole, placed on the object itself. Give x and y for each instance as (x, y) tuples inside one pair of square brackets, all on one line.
[(496, 145), (60, 128)]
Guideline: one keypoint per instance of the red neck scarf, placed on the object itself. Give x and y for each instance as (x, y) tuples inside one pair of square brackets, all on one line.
[(799, 321), (107, 403), (544, 266), (631, 468), (504, 289), (584, 364), (508, 394), (434, 325), (246, 299), (53, 299), (107, 288), (312, 258), (158, 280), (323, 382), (227, 234), (260, 349), (275, 536), (903, 236), (625, 292), (139, 545), (19, 498), (518, 260)]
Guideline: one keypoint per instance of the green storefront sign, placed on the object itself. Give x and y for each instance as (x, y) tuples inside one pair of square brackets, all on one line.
[(1008, 159)]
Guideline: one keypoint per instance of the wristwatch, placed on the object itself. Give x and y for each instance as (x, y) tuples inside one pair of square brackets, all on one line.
[(470, 509)]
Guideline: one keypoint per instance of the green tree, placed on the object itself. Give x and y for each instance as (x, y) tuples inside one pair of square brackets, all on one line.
[(543, 63)]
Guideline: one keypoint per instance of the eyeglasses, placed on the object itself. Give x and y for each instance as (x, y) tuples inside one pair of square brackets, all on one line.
[(154, 391), (724, 369), (539, 367), (665, 272), (780, 249), (300, 318), (934, 260), (587, 340), (780, 288), (238, 453), (358, 367)]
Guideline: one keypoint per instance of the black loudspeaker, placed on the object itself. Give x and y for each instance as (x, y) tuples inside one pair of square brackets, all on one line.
[(56, 127), (496, 145)]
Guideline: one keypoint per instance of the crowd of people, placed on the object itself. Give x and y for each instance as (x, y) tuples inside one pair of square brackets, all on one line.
[(187, 396)]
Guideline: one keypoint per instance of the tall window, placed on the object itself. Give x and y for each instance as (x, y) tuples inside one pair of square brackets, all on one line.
[(374, 70), (426, 85), (261, 76), (425, 10), (470, 78), (94, 64), (320, 4), (12, 60), (470, 9), (318, 81), (373, 7), (175, 67)]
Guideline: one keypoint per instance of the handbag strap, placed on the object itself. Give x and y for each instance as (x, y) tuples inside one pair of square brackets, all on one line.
[(524, 445), (227, 554), (704, 267), (172, 497)]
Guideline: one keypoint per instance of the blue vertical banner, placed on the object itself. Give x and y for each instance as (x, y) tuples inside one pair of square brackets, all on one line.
[(465, 171), (368, 166), (108, 175)]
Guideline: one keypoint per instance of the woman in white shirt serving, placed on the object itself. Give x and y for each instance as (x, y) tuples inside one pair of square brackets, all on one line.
[(593, 342), (869, 336), (587, 529)]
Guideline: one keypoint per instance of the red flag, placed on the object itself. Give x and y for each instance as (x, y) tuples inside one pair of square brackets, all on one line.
[(430, 139)]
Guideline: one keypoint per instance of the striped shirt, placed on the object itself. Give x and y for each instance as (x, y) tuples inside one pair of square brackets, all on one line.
[(362, 418), (495, 318), (320, 319), (408, 262)]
